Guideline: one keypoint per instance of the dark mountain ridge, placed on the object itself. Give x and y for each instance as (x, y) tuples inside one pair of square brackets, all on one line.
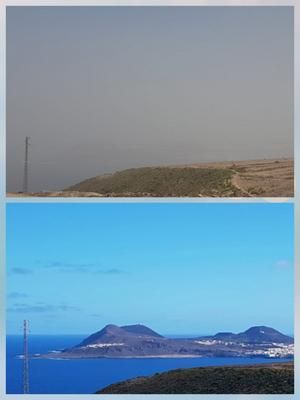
[(118, 334), (134, 341), (255, 334), (139, 329)]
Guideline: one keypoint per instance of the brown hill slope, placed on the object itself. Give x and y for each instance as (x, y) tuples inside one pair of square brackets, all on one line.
[(276, 378), (262, 178), (256, 178)]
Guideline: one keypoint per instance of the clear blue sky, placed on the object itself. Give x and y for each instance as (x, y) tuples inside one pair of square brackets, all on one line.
[(178, 268)]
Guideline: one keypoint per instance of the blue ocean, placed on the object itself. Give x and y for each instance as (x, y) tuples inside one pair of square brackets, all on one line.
[(87, 376)]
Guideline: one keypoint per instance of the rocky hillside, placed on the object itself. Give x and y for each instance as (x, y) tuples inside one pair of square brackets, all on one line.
[(277, 378)]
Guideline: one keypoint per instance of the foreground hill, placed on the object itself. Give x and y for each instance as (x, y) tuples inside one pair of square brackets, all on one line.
[(277, 378), (264, 178), (256, 178), (139, 341), (161, 181)]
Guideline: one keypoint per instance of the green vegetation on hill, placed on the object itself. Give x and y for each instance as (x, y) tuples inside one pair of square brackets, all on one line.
[(277, 378), (162, 181)]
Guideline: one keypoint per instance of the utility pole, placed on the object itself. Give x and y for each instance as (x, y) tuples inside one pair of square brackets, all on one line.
[(25, 182), (26, 359)]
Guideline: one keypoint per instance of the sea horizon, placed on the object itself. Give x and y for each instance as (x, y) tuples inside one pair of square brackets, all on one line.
[(86, 376), (168, 335)]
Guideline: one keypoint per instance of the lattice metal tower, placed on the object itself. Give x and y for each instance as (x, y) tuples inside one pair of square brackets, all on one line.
[(26, 359), (26, 161)]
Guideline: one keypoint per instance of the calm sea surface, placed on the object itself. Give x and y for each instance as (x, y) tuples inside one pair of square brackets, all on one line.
[(87, 376)]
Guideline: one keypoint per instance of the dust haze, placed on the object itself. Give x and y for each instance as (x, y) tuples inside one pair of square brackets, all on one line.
[(100, 89)]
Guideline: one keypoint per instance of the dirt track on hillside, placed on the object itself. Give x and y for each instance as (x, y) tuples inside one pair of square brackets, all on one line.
[(254, 178)]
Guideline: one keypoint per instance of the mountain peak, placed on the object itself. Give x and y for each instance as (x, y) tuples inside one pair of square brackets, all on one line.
[(261, 329), (106, 334), (118, 334), (110, 327), (263, 334), (139, 329), (223, 335)]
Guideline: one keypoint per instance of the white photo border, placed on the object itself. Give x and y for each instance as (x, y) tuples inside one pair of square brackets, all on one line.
[(4, 200)]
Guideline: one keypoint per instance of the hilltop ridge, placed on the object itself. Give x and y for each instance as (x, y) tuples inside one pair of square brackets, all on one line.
[(251, 178), (255, 334), (277, 378), (254, 178), (115, 333)]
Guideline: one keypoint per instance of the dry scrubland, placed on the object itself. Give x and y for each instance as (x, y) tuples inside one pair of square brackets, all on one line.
[(256, 178), (277, 378)]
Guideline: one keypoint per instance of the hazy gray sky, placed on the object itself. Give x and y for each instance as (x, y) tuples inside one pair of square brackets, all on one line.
[(99, 89)]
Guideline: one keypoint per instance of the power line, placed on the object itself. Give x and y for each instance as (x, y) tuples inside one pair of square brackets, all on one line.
[(26, 162)]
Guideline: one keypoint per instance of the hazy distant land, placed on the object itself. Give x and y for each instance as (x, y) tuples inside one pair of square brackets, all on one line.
[(254, 178), (139, 341)]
